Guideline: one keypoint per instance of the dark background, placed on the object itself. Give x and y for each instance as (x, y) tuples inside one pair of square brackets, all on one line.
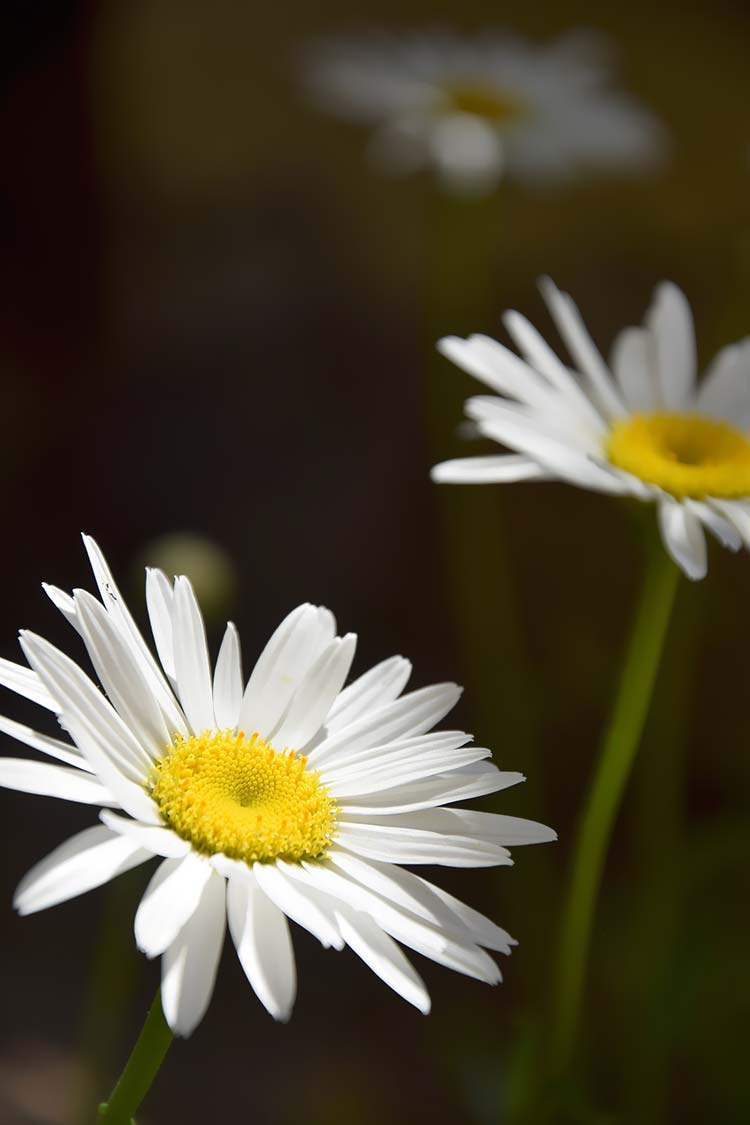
[(216, 319)]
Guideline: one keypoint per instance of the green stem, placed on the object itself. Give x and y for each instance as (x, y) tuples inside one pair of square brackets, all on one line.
[(659, 892), (140, 1070), (619, 748)]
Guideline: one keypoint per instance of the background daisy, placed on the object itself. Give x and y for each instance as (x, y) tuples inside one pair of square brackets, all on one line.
[(478, 108)]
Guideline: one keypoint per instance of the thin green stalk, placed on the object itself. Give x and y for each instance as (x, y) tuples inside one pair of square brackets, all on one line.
[(658, 901), (140, 1070), (619, 748), (114, 969)]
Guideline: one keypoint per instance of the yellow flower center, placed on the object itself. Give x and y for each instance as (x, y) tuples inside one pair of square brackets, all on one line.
[(484, 101), (684, 454), (228, 793)]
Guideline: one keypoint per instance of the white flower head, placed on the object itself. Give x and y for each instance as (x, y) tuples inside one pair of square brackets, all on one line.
[(286, 797), (641, 426), (479, 108)]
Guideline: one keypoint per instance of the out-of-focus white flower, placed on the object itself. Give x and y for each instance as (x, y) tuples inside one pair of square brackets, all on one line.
[(642, 427), (479, 108), (286, 796)]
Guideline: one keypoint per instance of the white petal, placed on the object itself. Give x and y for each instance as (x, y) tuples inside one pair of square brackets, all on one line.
[(228, 679), (671, 323), (160, 605), (560, 457), (170, 900), (633, 362), (25, 682), (120, 675), (383, 956), (497, 469), (541, 357), (274, 880), (721, 528), (370, 779), (190, 964), (357, 751), (117, 759), (293, 648), (582, 348), (498, 367), (683, 537), (421, 936), (508, 831), (64, 603), (316, 693), (379, 685), (83, 862), (403, 889), (410, 715), (444, 789), (98, 730), (412, 846), (483, 930), (116, 606), (63, 751), (191, 658), (131, 796), (737, 512), (261, 936), (52, 781), (160, 841), (725, 389), (467, 152), (360, 752)]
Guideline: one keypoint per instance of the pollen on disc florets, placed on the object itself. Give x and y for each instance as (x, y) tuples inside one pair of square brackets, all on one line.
[(225, 792), (484, 100), (685, 454)]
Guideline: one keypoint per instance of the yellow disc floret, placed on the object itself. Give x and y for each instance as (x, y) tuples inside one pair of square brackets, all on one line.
[(685, 454), (225, 792), (486, 101)]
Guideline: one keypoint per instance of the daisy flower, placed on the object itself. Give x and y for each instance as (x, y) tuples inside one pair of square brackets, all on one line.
[(286, 797), (641, 426), (478, 108)]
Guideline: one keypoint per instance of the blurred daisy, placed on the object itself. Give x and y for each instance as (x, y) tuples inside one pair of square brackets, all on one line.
[(479, 108), (288, 797), (641, 427)]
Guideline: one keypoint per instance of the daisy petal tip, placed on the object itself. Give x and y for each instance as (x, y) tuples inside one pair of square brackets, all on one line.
[(18, 904), (446, 344), (144, 948), (547, 287), (694, 570)]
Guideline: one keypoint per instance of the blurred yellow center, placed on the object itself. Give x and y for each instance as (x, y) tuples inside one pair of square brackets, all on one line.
[(228, 793), (484, 101), (684, 454)]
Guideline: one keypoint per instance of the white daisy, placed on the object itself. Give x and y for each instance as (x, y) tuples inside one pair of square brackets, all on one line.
[(476, 108), (642, 427), (286, 797)]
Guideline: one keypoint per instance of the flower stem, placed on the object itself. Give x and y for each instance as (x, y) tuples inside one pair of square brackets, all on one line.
[(619, 748), (140, 1070)]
